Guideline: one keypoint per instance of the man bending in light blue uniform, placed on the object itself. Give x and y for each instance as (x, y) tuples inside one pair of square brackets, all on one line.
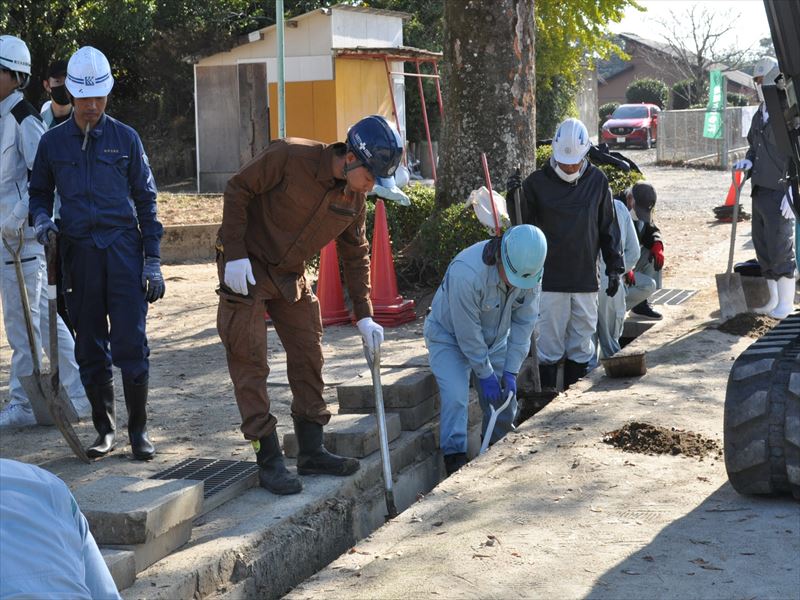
[(481, 322), (47, 549)]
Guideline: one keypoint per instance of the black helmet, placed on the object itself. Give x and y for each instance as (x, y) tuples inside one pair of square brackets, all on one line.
[(377, 146)]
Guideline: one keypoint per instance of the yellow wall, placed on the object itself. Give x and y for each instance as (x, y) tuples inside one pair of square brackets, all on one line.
[(362, 89), (323, 110), (310, 110)]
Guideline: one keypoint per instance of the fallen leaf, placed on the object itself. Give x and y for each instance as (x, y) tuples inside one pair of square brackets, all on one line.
[(593, 509), (629, 572), (711, 568), (481, 556), (438, 523), (648, 558)]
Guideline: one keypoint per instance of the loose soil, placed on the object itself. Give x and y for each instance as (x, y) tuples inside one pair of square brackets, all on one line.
[(644, 438), (748, 324)]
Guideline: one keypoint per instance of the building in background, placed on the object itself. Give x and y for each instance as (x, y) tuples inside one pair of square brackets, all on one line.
[(338, 64)]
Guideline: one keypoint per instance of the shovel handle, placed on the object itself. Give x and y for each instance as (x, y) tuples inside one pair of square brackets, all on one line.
[(735, 219)]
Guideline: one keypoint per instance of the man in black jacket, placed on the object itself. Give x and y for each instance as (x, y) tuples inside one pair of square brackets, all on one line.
[(569, 199), (646, 278)]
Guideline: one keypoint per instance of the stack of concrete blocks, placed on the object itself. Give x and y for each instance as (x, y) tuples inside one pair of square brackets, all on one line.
[(137, 522), (411, 402)]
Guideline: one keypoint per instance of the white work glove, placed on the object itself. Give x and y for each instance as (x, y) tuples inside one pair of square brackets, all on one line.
[(15, 221), (786, 205), (743, 165), (237, 274), (367, 327)]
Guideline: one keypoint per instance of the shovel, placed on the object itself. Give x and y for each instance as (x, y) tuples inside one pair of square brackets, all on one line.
[(48, 399), (374, 362), (729, 284), (492, 420)]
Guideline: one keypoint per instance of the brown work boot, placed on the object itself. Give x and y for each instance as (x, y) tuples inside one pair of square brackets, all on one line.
[(313, 458)]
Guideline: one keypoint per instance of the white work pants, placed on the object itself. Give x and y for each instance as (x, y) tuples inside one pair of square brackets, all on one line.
[(34, 271), (565, 327)]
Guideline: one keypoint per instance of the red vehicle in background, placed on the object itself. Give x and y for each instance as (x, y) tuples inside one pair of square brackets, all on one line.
[(632, 124)]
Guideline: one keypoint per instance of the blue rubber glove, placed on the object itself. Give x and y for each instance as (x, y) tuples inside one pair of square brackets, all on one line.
[(490, 390), (152, 279), (42, 226), (509, 383)]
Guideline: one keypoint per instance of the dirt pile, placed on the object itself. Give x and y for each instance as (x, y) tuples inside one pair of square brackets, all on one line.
[(748, 324), (644, 438)]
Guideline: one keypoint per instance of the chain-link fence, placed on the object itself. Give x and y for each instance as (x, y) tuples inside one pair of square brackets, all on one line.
[(680, 137)]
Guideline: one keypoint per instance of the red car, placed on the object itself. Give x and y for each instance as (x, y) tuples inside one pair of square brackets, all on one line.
[(632, 124)]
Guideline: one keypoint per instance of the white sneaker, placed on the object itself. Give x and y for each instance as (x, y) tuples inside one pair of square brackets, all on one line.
[(17, 415)]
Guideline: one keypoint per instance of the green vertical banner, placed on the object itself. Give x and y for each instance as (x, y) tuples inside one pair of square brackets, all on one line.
[(712, 126)]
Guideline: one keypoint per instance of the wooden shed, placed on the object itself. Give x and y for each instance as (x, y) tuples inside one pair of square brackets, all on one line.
[(331, 82)]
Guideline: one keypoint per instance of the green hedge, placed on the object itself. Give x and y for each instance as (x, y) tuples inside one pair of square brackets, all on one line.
[(605, 111), (647, 89)]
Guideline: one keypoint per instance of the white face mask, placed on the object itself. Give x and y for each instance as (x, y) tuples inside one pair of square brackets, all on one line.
[(568, 177)]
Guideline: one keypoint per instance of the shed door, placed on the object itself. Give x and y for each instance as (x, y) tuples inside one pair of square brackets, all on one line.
[(232, 120)]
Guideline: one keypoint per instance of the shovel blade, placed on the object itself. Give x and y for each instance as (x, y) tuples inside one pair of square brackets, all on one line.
[(731, 295), (34, 386), (53, 409)]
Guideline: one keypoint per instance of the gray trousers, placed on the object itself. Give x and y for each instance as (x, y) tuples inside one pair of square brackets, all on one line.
[(566, 325), (773, 235), (648, 280)]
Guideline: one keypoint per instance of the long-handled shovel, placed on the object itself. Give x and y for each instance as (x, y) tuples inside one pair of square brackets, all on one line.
[(374, 362), (729, 284), (48, 399)]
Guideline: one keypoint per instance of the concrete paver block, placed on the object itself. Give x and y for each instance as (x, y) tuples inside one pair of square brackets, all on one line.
[(402, 388), (154, 550), (410, 418), (129, 510), (122, 565), (350, 435)]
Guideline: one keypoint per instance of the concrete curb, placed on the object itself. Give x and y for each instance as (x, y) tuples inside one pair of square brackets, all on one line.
[(182, 243)]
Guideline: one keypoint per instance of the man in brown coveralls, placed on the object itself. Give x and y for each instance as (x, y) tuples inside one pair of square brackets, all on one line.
[(280, 210)]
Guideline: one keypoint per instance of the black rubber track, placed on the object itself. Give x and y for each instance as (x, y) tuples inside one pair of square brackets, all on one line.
[(762, 414)]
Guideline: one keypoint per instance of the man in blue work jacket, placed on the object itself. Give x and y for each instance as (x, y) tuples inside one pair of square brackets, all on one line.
[(481, 322), (109, 243)]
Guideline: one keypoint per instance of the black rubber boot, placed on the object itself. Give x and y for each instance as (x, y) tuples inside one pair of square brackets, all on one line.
[(453, 462), (101, 397), (548, 375), (313, 458), (272, 472), (573, 371), (136, 401)]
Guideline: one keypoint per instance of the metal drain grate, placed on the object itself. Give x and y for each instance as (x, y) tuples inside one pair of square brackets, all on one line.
[(671, 297), (222, 479)]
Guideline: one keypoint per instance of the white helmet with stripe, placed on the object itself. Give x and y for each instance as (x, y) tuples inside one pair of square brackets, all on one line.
[(89, 74)]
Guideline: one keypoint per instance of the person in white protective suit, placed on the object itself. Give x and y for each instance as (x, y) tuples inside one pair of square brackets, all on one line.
[(480, 323), (611, 309), (21, 128), (773, 220), (570, 200)]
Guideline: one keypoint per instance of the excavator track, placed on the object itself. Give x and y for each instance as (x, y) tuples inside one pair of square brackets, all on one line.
[(762, 414)]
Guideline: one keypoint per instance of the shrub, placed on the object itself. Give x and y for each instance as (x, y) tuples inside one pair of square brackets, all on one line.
[(619, 180), (737, 99), (653, 91), (404, 221), (606, 109), (686, 93), (543, 154), (441, 237)]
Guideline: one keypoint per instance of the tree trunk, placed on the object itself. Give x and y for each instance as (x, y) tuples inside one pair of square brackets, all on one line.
[(489, 95)]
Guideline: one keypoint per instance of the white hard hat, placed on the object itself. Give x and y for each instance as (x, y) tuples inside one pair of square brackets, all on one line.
[(571, 142), (89, 74), (15, 56), (764, 66)]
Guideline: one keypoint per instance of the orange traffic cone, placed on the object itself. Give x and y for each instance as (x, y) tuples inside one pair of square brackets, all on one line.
[(731, 198), (388, 305), (329, 288)]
